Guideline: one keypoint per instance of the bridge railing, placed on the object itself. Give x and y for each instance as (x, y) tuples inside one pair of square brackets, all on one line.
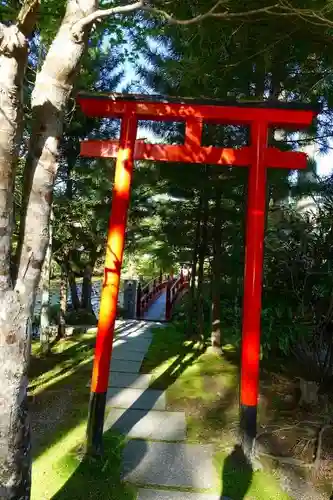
[(150, 292), (174, 291), (147, 294)]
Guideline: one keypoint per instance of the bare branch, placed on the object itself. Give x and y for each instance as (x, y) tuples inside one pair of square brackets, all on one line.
[(100, 13), (281, 8), (226, 14), (192, 20)]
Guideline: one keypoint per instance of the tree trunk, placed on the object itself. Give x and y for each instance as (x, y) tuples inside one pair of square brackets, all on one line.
[(201, 261), (45, 281), (49, 101), (62, 303), (15, 305), (216, 272), (13, 57), (73, 288), (87, 289), (15, 452), (192, 301)]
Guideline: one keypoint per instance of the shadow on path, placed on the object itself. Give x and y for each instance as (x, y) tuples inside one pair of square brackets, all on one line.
[(237, 475), (88, 478)]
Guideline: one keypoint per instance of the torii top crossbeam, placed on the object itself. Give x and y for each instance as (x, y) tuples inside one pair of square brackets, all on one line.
[(195, 113)]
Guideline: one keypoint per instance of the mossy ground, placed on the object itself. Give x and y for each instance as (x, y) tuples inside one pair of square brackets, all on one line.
[(204, 385), (59, 405)]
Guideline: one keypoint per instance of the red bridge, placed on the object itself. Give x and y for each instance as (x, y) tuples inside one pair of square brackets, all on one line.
[(156, 299)]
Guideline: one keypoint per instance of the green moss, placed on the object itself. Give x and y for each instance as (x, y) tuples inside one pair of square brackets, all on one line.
[(60, 469), (238, 481), (63, 472), (206, 387)]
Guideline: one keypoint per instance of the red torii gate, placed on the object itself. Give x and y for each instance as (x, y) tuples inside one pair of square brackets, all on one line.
[(259, 116)]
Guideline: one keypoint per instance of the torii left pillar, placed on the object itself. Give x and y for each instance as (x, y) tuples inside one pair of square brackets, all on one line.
[(109, 296)]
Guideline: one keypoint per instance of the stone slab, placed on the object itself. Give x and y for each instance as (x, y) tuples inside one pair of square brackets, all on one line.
[(137, 326), (136, 335), (169, 464), (159, 425), (149, 494), (121, 365), (136, 399), (127, 354), (140, 344), (130, 380)]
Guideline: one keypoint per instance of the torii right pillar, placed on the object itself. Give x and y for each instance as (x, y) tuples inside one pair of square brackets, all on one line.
[(253, 277)]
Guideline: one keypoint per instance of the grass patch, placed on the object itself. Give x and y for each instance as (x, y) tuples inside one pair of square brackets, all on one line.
[(169, 354), (58, 384), (63, 473), (206, 387), (239, 481)]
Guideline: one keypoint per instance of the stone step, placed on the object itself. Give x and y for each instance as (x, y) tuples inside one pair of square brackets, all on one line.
[(125, 352), (136, 335), (149, 494), (140, 344), (169, 464), (137, 329), (130, 380), (121, 365), (159, 425), (136, 399)]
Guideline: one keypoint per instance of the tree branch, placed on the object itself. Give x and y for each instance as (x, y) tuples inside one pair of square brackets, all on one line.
[(192, 20), (281, 8), (226, 14), (78, 27), (26, 18)]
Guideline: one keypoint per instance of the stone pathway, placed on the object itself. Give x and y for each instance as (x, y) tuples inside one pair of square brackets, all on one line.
[(156, 457)]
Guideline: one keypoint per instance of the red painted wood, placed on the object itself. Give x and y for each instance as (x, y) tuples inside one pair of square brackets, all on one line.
[(254, 252), (114, 255), (233, 114), (273, 157), (257, 157)]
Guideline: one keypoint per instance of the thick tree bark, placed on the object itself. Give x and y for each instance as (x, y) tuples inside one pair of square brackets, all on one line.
[(62, 303), (216, 272), (192, 313), (202, 252), (45, 282), (15, 305), (87, 288), (15, 456), (13, 58), (73, 288), (49, 101)]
